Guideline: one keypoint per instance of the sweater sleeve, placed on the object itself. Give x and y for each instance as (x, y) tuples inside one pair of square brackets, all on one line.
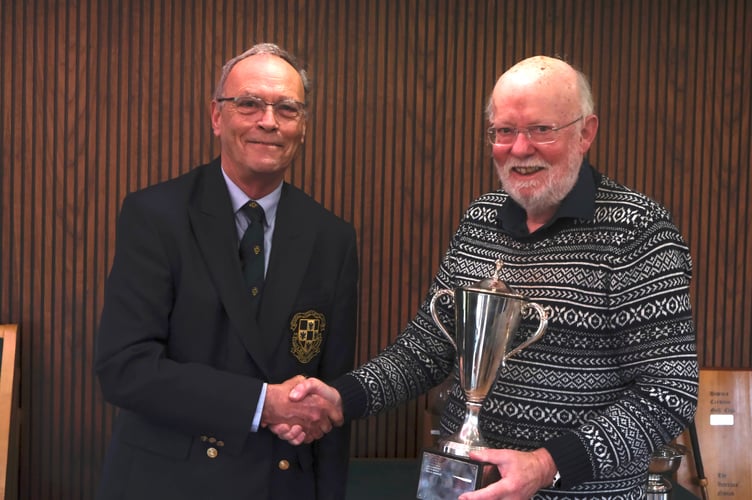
[(655, 349)]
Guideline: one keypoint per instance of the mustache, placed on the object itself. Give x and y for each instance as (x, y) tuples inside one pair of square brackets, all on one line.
[(527, 163)]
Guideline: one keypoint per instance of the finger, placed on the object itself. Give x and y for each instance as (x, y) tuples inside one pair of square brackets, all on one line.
[(326, 426), (493, 456), (490, 492), (336, 417), (311, 437), (289, 432), (295, 436), (300, 439), (308, 440), (279, 429), (331, 412), (315, 433), (303, 388)]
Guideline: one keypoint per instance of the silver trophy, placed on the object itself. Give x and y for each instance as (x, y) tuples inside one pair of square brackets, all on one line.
[(487, 315), (664, 461)]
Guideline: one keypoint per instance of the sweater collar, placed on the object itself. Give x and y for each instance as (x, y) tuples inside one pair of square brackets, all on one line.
[(578, 204)]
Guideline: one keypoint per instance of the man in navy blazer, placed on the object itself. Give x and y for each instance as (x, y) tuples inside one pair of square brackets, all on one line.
[(198, 365)]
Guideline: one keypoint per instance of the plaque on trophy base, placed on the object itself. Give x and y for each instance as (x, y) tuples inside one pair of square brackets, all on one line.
[(443, 476)]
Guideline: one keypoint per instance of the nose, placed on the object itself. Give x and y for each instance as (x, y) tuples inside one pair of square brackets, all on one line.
[(522, 145), (268, 120)]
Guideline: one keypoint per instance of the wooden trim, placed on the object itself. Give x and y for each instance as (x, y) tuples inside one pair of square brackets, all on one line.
[(9, 418)]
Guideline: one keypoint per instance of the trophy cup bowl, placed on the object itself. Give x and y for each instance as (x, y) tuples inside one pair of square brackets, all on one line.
[(487, 315), (664, 461), (486, 322)]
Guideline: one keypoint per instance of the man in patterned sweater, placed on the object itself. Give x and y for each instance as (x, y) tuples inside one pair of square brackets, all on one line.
[(615, 374)]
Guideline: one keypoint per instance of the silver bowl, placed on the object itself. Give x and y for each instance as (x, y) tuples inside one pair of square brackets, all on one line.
[(666, 459)]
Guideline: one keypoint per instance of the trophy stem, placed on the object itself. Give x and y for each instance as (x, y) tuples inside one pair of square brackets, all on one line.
[(468, 438), (658, 488)]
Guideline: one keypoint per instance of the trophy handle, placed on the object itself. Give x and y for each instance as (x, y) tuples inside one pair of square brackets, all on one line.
[(543, 315), (435, 316)]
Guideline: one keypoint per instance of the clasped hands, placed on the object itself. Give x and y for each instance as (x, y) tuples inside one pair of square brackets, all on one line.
[(301, 410)]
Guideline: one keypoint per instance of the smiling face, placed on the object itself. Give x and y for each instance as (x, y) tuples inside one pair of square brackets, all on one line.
[(257, 150), (540, 91)]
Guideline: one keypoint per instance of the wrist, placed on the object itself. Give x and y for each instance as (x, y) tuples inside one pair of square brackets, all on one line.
[(550, 476)]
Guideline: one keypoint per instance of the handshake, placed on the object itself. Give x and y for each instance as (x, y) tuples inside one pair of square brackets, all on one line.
[(301, 410)]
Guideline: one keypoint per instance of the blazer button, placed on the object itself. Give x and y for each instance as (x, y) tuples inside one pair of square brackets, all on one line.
[(211, 452), (283, 465)]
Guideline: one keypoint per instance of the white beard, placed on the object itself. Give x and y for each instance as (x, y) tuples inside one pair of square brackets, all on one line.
[(537, 196)]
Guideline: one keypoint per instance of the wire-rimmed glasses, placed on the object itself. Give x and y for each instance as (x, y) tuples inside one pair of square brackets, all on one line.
[(537, 134), (251, 105)]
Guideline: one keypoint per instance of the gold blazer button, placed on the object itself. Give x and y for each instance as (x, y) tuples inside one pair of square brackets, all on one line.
[(283, 465), (211, 452)]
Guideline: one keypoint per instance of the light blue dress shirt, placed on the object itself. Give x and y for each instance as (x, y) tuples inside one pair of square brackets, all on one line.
[(269, 203)]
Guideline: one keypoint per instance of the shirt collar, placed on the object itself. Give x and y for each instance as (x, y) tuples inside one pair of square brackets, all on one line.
[(578, 204), (269, 203)]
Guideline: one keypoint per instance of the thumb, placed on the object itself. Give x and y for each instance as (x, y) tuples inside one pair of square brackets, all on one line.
[(302, 389)]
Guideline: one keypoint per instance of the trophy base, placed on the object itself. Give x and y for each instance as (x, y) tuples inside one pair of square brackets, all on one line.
[(658, 488), (444, 476)]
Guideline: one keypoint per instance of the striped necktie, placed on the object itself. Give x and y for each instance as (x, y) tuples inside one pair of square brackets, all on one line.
[(252, 248)]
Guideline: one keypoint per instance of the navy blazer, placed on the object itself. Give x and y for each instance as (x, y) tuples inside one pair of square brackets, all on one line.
[(183, 352)]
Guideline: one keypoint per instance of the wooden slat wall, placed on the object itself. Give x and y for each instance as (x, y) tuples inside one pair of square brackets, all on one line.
[(100, 98)]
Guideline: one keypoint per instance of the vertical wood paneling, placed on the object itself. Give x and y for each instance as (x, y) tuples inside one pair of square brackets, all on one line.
[(101, 98)]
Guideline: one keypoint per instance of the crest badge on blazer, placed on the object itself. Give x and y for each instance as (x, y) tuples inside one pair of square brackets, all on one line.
[(307, 335)]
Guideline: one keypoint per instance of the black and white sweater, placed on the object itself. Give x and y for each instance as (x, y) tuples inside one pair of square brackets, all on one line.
[(614, 376)]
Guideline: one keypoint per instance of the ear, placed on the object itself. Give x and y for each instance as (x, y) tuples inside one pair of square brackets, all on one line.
[(215, 110), (588, 131), (302, 132)]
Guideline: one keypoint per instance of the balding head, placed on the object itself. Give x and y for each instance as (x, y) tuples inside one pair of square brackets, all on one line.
[(543, 75)]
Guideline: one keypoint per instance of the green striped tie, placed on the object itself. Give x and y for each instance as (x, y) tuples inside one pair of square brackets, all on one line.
[(252, 248)]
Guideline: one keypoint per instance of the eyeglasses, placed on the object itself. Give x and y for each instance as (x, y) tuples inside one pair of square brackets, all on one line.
[(537, 134), (251, 105)]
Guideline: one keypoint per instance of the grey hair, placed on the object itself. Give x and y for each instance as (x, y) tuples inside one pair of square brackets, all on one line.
[(587, 102), (264, 48)]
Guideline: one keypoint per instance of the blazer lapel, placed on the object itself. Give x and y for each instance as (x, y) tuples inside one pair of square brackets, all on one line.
[(212, 218), (294, 238)]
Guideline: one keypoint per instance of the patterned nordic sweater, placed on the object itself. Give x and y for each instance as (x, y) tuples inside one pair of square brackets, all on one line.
[(614, 376)]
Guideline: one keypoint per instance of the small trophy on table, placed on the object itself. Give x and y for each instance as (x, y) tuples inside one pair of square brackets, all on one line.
[(487, 315)]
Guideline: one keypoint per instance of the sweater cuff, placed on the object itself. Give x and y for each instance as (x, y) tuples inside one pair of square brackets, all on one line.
[(354, 398), (571, 458)]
